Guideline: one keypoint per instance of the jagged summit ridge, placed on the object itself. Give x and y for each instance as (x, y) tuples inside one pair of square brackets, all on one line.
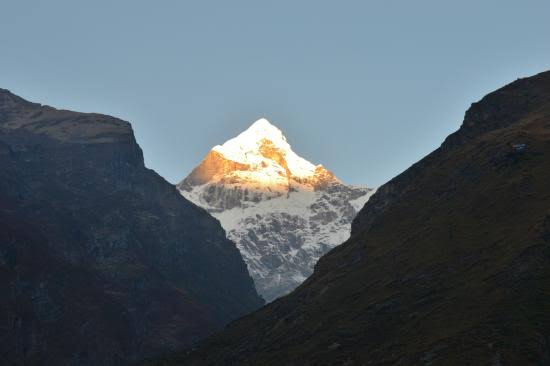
[(282, 211)]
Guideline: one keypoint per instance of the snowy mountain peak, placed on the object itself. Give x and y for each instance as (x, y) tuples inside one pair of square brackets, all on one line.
[(262, 128), (264, 145), (256, 165), (282, 211), (259, 130)]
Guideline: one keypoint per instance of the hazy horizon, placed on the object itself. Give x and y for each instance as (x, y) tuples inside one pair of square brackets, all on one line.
[(365, 89)]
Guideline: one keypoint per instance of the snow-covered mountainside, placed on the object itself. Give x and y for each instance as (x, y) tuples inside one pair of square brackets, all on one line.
[(282, 211)]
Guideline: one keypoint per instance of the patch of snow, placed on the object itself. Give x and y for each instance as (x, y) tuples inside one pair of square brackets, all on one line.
[(360, 201)]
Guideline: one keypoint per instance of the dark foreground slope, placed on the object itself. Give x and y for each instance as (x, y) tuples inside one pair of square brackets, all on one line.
[(448, 264), (102, 261)]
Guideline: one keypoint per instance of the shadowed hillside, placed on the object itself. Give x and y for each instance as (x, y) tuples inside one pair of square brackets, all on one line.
[(102, 262)]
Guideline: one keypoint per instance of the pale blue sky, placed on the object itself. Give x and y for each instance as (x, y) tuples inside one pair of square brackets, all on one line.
[(364, 87)]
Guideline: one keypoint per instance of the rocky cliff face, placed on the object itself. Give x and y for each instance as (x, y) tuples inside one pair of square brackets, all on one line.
[(102, 262), (448, 263), (282, 211)]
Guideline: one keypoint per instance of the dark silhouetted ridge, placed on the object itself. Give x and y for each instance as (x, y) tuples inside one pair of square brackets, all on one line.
[(102, 262)]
